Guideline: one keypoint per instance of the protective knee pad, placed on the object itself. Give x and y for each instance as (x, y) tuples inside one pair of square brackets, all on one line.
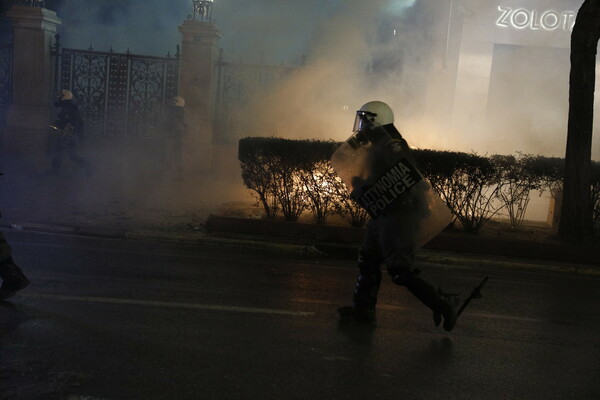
[(400, 268), (403, 276), (369, 280)]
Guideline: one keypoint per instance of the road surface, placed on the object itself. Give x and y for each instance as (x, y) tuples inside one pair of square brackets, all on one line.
[(118, 319)]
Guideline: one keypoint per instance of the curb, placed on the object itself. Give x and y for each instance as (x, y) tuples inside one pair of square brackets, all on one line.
[(520, 264), (344, 236), (68, 230), (347, 251), (178, 237)]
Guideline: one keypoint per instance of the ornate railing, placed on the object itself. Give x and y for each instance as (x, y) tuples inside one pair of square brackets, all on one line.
[(121, 95), (6, 52)]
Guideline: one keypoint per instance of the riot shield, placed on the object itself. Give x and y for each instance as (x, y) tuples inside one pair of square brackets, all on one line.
[(382, 178)]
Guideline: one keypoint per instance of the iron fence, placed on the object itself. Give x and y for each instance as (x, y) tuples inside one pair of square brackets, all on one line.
[(123, 95), (119, 94), (239, 85)]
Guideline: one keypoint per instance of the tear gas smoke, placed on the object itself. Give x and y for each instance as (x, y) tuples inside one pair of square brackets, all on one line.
[(342, 41), (356, 51)]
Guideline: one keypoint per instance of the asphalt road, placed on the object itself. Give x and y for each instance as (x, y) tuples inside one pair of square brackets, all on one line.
[(108, 319)]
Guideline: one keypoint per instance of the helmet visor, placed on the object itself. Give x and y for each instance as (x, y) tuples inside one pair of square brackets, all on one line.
[(362, 118)]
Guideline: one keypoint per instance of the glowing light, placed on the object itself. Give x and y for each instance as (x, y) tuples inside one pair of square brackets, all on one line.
[(398, 6), (522, 18)]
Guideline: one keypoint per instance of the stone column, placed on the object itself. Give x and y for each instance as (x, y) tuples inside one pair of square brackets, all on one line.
[(33, 82), (197, 86)]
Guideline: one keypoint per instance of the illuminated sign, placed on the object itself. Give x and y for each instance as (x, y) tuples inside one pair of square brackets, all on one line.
[(522, 18)]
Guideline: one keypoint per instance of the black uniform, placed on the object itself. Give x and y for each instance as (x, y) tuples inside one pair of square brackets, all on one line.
[(375, 252), (69, 131)]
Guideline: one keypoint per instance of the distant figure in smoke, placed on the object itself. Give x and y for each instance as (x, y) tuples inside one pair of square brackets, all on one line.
[(174, 125), (67, 132), (386, 241), (13, 278)]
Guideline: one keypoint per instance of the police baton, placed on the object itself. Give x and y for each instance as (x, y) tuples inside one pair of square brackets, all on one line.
[(475, 294)]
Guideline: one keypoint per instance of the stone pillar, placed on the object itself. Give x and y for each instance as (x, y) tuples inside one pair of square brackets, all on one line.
[(31, 110), (197, 86)]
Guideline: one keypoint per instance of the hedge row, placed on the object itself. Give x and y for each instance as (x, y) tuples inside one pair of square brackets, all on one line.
[(289, 177)]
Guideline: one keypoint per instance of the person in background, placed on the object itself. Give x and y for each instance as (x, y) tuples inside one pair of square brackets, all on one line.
[(67, 132)]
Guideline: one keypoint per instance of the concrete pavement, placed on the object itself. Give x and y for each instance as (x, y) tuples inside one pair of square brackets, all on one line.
[(141, 204), (196, 233), (127, 319)]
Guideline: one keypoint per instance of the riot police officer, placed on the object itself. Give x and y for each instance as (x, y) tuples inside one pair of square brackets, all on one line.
[(374, 122)]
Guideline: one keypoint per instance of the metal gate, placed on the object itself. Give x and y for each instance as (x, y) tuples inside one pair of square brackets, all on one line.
[(120, 95), (238, 85)]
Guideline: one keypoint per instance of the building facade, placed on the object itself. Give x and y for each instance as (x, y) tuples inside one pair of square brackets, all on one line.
[(502, 71)]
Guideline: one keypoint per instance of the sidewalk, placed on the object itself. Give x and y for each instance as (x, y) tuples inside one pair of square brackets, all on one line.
[(446, 248), (161, 208), (117, 198), (236, 241)]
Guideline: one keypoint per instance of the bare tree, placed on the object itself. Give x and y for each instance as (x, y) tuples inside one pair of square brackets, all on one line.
[(576, 215)]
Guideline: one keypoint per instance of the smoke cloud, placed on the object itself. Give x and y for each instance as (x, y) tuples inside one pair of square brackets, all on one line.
[(354, 51), (143, 27)]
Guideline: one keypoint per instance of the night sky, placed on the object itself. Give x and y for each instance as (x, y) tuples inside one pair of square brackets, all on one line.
[(273, 31)]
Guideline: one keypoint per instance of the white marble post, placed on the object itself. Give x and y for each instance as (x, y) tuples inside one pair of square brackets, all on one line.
[(31, 110), (197, 86)]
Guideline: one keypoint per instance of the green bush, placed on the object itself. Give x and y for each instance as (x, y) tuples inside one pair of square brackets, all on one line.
[(258, 173), (518, 177), (317, 177), (550, 172), (292, 176), (348, 209), (468, 184), (288, 175)]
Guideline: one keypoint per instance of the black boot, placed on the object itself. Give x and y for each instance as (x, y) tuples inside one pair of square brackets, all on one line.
[(442, 304), (365, 291), (452, 301), (13, 280)]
